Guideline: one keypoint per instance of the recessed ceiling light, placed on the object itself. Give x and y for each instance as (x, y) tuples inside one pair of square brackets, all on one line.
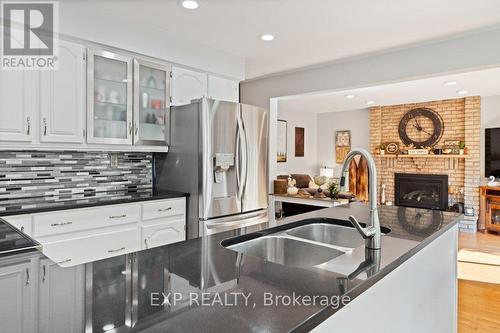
[(267, 37), (350, 96), (370, 102), (450, 83), (462, 92), (190, 4)]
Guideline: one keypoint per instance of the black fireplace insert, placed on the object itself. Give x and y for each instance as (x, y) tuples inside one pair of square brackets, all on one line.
[(421, 191)]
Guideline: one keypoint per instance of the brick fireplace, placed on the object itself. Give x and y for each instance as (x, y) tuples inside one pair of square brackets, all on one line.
[(461, 118)]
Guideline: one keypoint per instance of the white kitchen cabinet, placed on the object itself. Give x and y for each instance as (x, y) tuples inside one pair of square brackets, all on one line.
[(151, 102), (17, 298), (163, 208), (62, 97), (223, 89), (48, 226), (109, 97), (60, 298), (187, 85), (162, 233), (81, 250), (18, 100)]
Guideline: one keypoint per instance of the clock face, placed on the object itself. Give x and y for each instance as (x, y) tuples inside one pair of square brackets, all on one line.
[(421, 127)]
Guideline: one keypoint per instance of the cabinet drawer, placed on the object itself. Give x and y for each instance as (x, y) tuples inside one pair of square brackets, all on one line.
[(163, 233), (21, 223), (84, 219), (86, 249), (163, 208)]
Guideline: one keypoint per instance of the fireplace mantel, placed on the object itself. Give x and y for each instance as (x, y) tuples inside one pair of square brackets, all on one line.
[(420, 156)]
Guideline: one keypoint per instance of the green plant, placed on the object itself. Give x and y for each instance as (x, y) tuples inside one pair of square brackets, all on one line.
[(462, 145), (333, 188)]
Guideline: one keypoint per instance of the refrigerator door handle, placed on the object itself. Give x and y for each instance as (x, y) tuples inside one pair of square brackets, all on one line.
[(207, 179), (240, 157), (245, 159), (253, 218)]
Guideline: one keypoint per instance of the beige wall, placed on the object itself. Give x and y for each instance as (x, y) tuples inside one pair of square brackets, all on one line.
[(309, 163), (357, 121)]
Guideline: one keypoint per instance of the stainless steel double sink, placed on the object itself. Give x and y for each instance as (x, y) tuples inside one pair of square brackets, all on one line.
[(303, 246)]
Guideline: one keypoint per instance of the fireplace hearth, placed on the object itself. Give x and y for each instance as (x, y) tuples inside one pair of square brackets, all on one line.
[(421, 191)]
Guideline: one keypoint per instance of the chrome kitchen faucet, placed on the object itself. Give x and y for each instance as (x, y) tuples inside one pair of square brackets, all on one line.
[(371, 233)]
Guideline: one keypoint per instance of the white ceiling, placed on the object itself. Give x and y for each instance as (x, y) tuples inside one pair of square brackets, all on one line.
[(307, 32), (477, 83)]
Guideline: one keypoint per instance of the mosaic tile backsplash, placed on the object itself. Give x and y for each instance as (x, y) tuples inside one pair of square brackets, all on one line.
[(33, 179)]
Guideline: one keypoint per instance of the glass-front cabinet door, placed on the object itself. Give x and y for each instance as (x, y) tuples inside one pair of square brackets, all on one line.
[(109, 101), (151, 102)]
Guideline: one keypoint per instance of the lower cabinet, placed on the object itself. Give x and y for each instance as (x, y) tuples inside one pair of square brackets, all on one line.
[(78, 236), (108, 291), (17, 300), (161, 232), (39, 296), (94, 247), (61, 298)]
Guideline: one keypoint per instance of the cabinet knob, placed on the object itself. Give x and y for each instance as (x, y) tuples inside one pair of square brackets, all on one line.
[(28, 123)]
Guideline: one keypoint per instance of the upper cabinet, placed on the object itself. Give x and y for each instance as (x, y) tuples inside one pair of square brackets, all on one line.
[(109, 98), (18, 101), (187, 85), (223, 89), (62, 93), (151, 102), (99, 97)]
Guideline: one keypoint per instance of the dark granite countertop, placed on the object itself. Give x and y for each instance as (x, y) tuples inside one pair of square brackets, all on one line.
[(203, 266), (207, 266), (105, 198)]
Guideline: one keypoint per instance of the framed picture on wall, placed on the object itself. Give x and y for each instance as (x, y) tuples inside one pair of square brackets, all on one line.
[(281, 142), (300, 133), (342, 145)]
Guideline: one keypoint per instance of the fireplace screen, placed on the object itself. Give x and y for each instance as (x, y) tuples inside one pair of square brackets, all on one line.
[(421, 191)]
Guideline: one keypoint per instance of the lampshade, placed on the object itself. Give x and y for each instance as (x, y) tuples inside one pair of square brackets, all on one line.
[(326, 172)]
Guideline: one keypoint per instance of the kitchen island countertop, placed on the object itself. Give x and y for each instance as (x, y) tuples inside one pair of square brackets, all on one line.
[(203, 266)]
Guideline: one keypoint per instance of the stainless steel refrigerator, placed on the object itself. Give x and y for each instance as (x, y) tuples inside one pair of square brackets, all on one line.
[(219, 154)]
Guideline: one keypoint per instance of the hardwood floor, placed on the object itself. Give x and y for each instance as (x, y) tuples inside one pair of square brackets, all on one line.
[(479, 283)]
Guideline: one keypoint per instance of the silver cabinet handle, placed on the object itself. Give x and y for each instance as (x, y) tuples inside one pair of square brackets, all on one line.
[(44, 126), (117, 250), (27, 276), (164, 209), (63, 261), (60, 224), (136, 128), (44, 273), (118, 216), (146, 243), (130, 127), (28, 123)]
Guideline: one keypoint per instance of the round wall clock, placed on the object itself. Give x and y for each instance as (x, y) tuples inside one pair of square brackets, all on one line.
[(421, 127)]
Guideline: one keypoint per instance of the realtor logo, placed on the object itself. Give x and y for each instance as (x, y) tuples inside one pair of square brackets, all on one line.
[(28, 35)]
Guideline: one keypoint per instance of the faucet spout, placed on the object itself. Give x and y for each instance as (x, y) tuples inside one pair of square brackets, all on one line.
[(371, 233)]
